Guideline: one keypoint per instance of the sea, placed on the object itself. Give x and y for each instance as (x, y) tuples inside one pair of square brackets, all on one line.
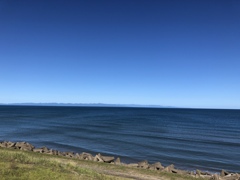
[(204, 139)]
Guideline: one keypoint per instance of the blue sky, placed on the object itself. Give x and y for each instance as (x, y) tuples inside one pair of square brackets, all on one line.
[(171, 53)]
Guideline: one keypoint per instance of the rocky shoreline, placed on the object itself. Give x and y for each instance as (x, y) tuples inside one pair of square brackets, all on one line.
[(25, 146)]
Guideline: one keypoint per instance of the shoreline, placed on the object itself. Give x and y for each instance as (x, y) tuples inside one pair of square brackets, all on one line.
[(25, 146)]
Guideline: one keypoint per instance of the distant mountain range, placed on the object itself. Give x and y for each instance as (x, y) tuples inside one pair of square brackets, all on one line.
[(84, 104)]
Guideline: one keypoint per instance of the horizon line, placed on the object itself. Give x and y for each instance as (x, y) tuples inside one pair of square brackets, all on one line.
[(108, 105)]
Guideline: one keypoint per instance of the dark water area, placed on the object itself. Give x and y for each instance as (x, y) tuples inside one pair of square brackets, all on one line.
[(189, 138)]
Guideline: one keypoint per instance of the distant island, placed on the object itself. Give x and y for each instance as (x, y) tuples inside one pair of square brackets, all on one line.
[(86, 104)]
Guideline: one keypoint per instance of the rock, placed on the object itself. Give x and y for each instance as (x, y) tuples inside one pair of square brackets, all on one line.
[(231, 176), (177, 171), (132, 165), (143, 164), (69, 154), (87, 156), (55, 152), (19, 144), (3, 144), (151, 166), (45, 149), (203, 174), (117, 161), (24, 146), (206, 176), (156, 166), (191, 173), (10, 144), (198, 172), (215, 177), (60, 153), (39, 150), (77, 156), (224, 173), (169, 168), (108, 159), (49, 152), (97, 158), (63, 153), (206, 173)]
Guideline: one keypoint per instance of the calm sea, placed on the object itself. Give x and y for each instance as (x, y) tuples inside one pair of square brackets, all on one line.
[(188, 138)]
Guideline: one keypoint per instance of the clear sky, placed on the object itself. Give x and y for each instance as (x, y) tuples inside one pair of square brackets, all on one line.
[(172, 53)]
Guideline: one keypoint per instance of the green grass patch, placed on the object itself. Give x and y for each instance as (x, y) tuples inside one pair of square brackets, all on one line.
[(15, 164), (22, 165)]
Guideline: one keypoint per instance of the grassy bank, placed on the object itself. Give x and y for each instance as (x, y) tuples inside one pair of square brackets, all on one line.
[(16, 164)]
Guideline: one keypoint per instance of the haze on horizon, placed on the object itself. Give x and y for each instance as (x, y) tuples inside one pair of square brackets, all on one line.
[(169, 53)]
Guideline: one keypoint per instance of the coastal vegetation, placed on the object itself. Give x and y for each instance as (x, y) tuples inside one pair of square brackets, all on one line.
[(22, 161), (15, 164)]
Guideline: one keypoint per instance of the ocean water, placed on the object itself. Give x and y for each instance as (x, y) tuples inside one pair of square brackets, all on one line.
[(191, 139)]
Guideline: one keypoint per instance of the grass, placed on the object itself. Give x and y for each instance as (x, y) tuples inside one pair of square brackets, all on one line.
[(22, 165), (27, 165)]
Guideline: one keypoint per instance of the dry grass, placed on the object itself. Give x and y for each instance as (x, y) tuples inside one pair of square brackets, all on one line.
[(16, 164)]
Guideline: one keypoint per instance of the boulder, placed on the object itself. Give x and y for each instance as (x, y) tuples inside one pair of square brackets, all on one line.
[(169, 168), (202, 174), (214, 177), (20, 144), (87, 156), (224, 173), (156, 166), (3, 144), (206, 176), (143, 164), (69, 154), (49, 152), (117, 161), (192, 174), (77, 156), (63, 153), (45, 149), (132, 165), (206, 173), (198, 172), (24, 146), (108, 159), (60, 153), (39, 150), (11, 144), (177, 171), (231, 176), (55, 152), (97, 158)]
